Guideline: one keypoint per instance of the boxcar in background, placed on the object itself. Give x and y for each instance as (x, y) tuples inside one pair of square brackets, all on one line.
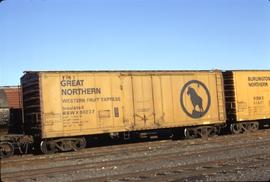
[(247, 98), (61, 107), (12, 137), (10, 109)]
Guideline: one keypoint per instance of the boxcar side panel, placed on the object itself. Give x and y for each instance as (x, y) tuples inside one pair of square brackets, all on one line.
[(127, 102), (175, 100), (158, 97), (85, 103), (195, 99), (51, 105), (252, 95), (143, 101), (80, 104), (167, 99)]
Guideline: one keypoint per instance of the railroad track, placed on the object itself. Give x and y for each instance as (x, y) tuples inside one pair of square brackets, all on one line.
[(114, 149), (157, 160)]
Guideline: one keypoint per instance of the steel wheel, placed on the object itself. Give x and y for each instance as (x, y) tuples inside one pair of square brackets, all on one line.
[(6, 149), (254, 126), (47, 147), (236, 128), (189, 133)]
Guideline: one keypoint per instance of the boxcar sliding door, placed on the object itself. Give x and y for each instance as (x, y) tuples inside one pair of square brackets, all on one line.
[(138, 104)]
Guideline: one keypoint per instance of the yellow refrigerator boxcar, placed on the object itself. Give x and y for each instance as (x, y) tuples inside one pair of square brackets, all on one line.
[(62, 104), (247, 95)]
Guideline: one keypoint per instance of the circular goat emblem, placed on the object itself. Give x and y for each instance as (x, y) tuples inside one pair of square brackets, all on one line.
[(195, 99)]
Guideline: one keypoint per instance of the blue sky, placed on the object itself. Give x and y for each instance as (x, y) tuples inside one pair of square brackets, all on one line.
[(132, 34)]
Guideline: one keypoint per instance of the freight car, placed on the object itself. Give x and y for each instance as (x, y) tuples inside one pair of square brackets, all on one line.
[(10, 107), (11, 132), (247, 95), (62, 109)]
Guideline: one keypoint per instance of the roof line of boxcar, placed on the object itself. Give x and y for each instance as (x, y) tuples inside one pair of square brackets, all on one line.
[(246, 70), (115, 71), (9, 87), (126, 71)]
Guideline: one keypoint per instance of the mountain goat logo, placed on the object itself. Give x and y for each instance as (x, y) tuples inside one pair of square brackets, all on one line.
[(194, 97)]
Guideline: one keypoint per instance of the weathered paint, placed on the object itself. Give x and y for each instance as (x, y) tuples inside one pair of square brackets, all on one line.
[(85, 103), (10, 97), (252, 95)]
